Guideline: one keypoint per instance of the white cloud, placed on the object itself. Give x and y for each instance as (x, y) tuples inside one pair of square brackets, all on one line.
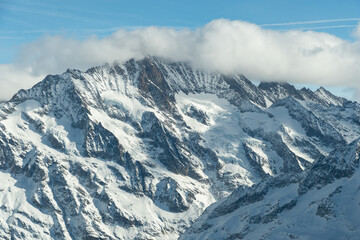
[(14, 78), (221, 45), (356, 32)]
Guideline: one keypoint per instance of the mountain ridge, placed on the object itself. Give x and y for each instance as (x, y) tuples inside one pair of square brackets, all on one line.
[(140, 149)]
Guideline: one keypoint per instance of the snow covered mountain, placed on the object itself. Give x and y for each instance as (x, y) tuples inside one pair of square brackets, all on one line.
[(139, 150), (321, 203)]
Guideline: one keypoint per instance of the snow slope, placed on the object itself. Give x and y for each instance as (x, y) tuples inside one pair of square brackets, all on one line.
[(321, 203)]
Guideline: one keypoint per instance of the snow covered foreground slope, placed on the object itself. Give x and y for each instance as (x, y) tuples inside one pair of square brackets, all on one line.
[(139, 150), (320, 203)]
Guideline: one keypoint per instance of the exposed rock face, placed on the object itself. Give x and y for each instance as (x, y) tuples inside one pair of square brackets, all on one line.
[(169, 194), (138, 150), (276, 91), (101, 143)]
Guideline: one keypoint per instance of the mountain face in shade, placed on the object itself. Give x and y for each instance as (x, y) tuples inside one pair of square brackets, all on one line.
[(139, 150)]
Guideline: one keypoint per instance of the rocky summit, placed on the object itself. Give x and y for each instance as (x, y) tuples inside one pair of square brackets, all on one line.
[(139, 150)]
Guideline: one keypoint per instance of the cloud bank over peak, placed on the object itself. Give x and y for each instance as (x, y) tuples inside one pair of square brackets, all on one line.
[(222, 45), (356, 32)]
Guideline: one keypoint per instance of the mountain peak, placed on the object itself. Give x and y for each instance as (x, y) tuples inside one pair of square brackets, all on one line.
[(140, 149), (279, 90), (329, 98)]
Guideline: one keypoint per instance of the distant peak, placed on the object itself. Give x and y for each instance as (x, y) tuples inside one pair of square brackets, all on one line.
[(272, 84), (322, 89), (279, 90), (328, 97)]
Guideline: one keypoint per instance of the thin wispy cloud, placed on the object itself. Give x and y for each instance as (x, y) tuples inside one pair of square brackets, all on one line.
[(326, 27), (55, 13), (52, 31), (311, 22), (11, 38), (61, 8), (15, 20), (70, 13)]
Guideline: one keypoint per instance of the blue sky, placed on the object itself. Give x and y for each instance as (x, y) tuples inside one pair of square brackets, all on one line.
[(280, 40), (23, 21)]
